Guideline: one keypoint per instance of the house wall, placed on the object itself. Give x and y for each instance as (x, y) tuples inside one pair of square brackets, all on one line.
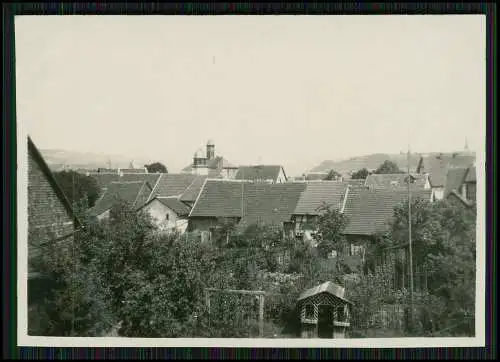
[(47, 217), (104, 215), (159, 212), (471, 191), (437, 193)]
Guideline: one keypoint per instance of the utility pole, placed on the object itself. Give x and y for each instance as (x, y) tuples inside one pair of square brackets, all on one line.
[(409, 239)]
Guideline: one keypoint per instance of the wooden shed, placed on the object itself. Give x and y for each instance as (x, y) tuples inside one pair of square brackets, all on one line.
[(324, 312)]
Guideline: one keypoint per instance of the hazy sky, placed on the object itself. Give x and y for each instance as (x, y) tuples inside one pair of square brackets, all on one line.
[(291, 90)]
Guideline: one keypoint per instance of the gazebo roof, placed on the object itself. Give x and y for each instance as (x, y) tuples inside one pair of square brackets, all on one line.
[(327, 287)]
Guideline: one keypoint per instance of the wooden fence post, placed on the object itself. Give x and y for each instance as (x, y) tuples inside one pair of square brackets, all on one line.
[(261, 316)]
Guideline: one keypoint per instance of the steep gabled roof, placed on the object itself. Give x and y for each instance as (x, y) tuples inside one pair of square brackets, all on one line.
[(103, 179), (259, 172), (131, 192), (270, 203), (151, 178), (317, 193), (220, 198), (193, 190), (370, 211), (38, 158), (437, 166), (172, 184), (455, 177), (455, 195), (471, 175)]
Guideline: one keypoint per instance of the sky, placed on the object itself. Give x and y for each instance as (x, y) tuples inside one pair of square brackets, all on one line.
[(290, 90)]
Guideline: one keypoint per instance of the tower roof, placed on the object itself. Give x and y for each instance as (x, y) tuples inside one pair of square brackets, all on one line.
[(199, 153), (210, 143)]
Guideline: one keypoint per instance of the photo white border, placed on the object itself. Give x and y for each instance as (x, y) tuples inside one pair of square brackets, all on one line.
[(24, 339)]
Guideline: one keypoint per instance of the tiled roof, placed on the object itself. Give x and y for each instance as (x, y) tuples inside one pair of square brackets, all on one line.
[(258, 172), (454, 194), (471, 175), (172, 184), (317, 193), (133, 170), (175, 205), (40, 161), (369, 211), (355, 182), (103, 179), (387, 181), (267, 202), (193, 190), (151, 178), (134, 193), (271, 203), (316, 176), (437, 166), (454, 179), (220, 198)]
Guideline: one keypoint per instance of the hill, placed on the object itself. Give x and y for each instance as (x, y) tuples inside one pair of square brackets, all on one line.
[(373, 161), (370, 162), (56, 159)]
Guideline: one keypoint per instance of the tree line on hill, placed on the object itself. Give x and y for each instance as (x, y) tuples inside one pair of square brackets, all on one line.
[(387, 167)]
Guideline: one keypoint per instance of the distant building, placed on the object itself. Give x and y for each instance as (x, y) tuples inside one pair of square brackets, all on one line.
[(262, 173), (437, 167), (207, 163)]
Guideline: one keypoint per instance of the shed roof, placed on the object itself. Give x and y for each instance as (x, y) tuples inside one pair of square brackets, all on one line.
[(327, 287)]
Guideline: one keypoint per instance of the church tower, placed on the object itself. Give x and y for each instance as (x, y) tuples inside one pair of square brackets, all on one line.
[(210, 150)]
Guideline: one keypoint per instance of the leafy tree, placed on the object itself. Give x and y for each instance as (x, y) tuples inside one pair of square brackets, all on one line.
[(78, 187), (388, 167), (330, 225), (71, 299), (444, 242), (360, 175), (156, 167), (332, 176)]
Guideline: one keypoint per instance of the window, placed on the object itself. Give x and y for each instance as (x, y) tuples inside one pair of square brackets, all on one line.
[(309, 311), (167, 216)]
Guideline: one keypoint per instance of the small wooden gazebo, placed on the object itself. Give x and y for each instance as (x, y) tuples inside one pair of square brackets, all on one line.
[(324, 312)]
